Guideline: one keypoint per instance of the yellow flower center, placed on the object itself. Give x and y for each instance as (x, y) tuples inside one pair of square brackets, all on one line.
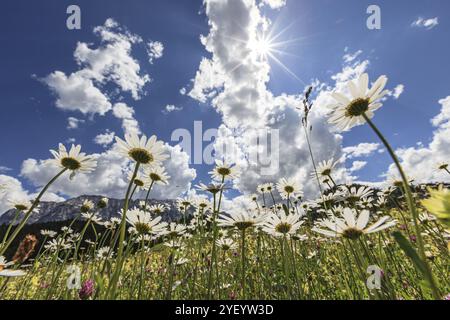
[(142, 228), (223, 171), (70, 163), (155, 177), (357, 107), (242, 225), (289, 189), (140, 155), (85, 208), (352, 233), (283, 227), (21, 207)]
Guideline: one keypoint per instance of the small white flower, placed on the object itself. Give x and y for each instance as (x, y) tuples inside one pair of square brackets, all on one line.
[(48, 233), (87, 206), (226, 244), (155, 175), (104, 253), (175, 229)]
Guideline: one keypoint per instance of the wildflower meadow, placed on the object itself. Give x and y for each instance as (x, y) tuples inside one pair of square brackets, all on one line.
[(133, 221)]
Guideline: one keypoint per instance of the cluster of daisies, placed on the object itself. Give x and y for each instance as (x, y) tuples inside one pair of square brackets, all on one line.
[(277, 209)]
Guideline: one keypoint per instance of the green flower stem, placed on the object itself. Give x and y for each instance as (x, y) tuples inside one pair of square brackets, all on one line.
[(312, 159), (213, 250), (16, 215), (411, 206), (273, 199), (83, 231), (29, 212), (215, 232), (143, 258), (243, 263), (115, 278), (132, 192), (147, 195)]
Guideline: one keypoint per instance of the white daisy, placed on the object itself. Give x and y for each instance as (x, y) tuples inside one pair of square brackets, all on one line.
[(223, 171), (21, 203), (280, 225), (144, 223), (87, 206), (74, 160), (288, 187), (57, 244), (184, 203), (143, 151), (226, 244), (112, 224), (352, 226), (265, 188), (156, 174), (104, 253), (157, 209), (212, 187), (4, 272), (175, 229), (48, 233), (324, 169), (355, 194), (93, 217), (241, 219), (348, 112)]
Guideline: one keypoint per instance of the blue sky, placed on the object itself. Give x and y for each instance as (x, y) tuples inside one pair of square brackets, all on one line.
[(35, 43)]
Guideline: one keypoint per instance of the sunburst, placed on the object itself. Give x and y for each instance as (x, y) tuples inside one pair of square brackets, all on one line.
[(266, 46)]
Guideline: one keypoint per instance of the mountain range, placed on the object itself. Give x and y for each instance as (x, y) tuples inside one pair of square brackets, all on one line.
[(50, 211)]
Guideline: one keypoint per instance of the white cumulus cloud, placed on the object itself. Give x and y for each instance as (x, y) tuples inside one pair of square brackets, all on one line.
[(426, 23), (420, 162), (105, 139), (155, 50), (126, 114), (171, 108), (364, 149)]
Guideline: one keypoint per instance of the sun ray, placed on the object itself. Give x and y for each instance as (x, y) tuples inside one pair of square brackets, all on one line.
[(285, 68)]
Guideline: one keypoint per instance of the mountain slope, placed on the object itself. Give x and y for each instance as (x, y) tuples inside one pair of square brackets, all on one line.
[(69, 209)]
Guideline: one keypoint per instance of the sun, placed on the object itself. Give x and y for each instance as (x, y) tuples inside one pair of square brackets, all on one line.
[(266, 47), (262, 47)]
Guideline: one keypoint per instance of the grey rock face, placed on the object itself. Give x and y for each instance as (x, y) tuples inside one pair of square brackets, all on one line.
[(70, 209)]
